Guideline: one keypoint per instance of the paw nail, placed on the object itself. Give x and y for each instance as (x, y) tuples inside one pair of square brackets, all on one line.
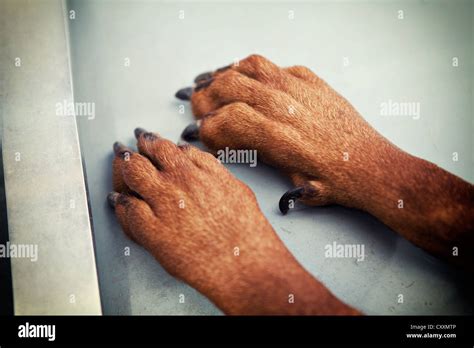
[(203, 84), (191, 132), (184, 93), (203, 77), (112, 198), (289, 196), (139, 131)]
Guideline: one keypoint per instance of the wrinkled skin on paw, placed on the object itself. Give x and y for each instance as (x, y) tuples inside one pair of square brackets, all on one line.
[(205, 227), (294, 120)]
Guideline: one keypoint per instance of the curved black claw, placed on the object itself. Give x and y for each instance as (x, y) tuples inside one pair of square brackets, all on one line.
[(184, 93), (290, 195), (203, 77), (191, 132)]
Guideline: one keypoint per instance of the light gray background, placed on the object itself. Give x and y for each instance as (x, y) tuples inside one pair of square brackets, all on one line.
[(401, 60)]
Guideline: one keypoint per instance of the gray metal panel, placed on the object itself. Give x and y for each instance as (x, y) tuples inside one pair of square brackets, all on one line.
[(45, 189), (402, 60)]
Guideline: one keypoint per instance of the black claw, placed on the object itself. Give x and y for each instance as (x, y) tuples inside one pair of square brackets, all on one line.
[(184, 93), (203, 84), (290, 195), (139, 131), (191, 132), (112, 198), (203, 77)]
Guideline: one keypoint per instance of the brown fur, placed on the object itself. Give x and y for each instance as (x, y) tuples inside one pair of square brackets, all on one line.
[(301, 125), (191, 213)]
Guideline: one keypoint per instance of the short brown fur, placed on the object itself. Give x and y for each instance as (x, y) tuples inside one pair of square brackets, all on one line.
[(299, 124)]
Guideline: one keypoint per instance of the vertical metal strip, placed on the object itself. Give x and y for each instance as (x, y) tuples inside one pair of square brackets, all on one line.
[(44, 180)]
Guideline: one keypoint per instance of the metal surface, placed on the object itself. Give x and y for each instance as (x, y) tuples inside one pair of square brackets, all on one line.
[(45, 190), (131, 57)]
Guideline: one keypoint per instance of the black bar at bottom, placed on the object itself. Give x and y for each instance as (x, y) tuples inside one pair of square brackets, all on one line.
[(219, 329)]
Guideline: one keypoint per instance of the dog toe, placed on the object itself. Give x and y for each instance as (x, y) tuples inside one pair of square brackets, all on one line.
[(135, 216), (164, 154), (309, 191)]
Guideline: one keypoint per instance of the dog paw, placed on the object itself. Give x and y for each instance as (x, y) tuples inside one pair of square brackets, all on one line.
[(292, 117), (183, 205)]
